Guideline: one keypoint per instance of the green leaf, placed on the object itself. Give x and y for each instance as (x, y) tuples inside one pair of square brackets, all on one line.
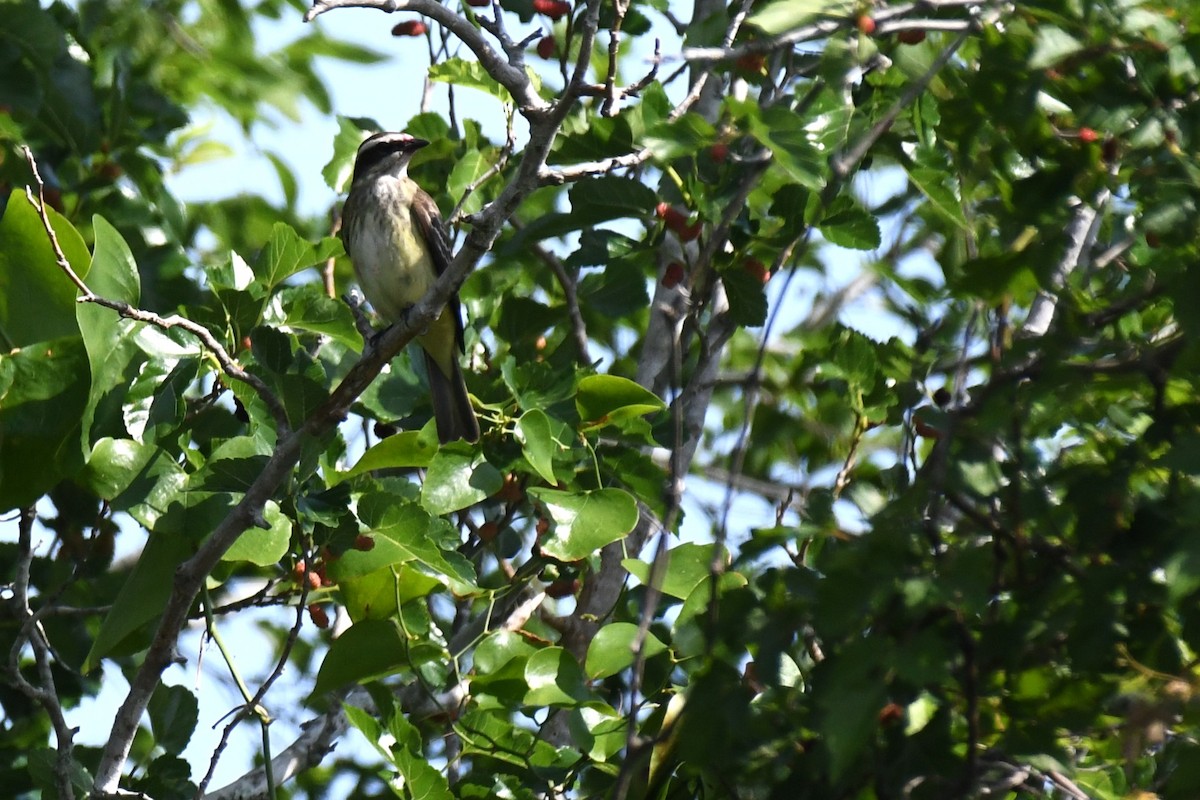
[(263, 547), (286, 254), (287, 180), (43, 391), (42, 765), (409, 534), (612, 649), (604, 399), (849, 225), (618, 291), (406, 449), (537, 443), (173, 713), (399, 742), (933, 179), (595, 200), (28, 270), (747, 297), (458, 478), (114, 464), (854, 359), (113, 274), (1053, 44), (991, 277), (461, 73), (785, 15), (687, 565), (379, 594), (143, 595), (685, 136), (308, 308), (467, 171), (585, 521), (422, 780), (500, 647), (366, 650), (554, 679), (113, 344), (338, 171)]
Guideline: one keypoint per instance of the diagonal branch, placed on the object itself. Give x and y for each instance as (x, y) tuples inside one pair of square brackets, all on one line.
[(510, 72)]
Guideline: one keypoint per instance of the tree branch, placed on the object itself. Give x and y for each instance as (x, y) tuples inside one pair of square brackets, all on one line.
[(510, 72), (228, 365), (32, 633)]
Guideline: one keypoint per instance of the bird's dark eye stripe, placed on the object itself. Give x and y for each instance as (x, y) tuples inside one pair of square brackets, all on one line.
[(375, 153)]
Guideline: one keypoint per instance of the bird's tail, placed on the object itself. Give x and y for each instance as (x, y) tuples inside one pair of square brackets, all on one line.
[(451, 404)]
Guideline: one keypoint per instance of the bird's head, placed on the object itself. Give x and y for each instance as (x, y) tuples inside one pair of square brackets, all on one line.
[(386, 153)]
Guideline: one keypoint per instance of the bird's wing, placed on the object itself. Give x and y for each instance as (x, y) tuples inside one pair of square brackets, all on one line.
[(429, 219)]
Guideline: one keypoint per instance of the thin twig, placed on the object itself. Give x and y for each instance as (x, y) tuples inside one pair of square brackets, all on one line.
[(32, 633), (228, 365)]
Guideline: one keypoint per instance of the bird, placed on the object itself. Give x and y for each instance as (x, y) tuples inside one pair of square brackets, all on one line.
[(392, 231)]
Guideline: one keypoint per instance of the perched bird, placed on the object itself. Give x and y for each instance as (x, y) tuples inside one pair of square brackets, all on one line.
[(393, 233)]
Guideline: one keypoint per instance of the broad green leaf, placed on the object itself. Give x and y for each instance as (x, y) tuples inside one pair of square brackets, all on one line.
[(233, 466), (409, 534), (554, 679), (173, 712), (43, 391), (421, 778), (307, 308), (595, 200), (935, 182), (366, 650), (585, 521), (404, 449), (854, 359), (747, 297), (991, 277), (537, 443), (1052, 46), (143, 596), (367, 725), (338, 171), (612, 649), (43, 766), (286, 254), (287, 180), (618, 291), (684, 136), (29, 271), (113, 274), (378, 594), (603, 399), (114, 464), (458, 478), (848, 225), (687, 565), (399, 742), (785, 15), (499, 648), (466, 173), (850, 705), (113, 343), (263, 547), (503, 687), (920, 712), (600, 729), (690, 634), (461, 73)]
